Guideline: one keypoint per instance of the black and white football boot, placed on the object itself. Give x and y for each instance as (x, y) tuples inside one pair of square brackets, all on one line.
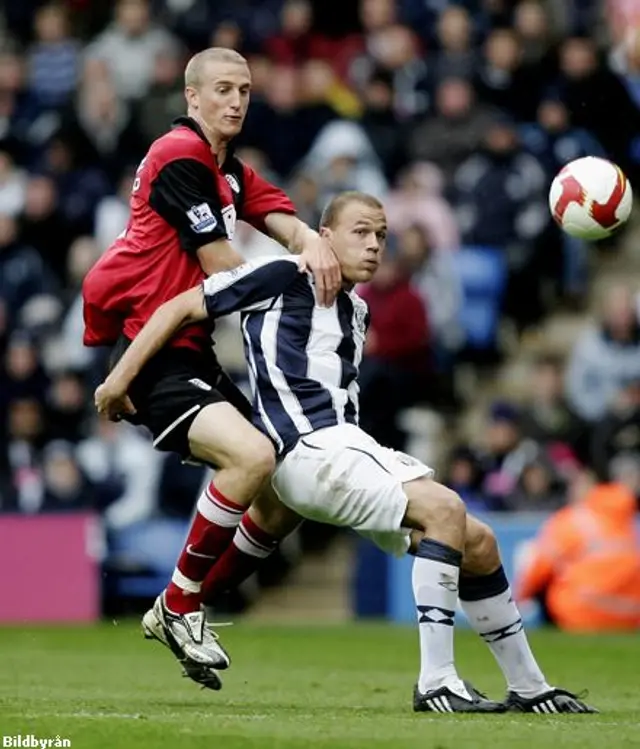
[(548, 703), (191, 640), (446, 700)]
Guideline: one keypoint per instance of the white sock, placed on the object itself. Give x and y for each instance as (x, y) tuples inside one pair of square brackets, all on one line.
[(436, 570), (495, 617)]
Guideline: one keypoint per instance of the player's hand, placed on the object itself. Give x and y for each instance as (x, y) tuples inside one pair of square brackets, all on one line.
[(112, 401), (319, 258)]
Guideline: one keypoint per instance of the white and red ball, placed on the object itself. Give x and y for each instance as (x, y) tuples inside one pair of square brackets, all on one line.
[(590, 198)]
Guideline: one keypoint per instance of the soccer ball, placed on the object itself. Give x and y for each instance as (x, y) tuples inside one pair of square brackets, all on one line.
[(590, 198)]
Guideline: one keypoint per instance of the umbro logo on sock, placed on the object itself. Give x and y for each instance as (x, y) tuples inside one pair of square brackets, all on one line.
[(503, 632), (435, 615)]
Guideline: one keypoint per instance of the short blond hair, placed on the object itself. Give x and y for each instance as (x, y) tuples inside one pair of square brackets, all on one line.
[(195, 66), (331, 214)]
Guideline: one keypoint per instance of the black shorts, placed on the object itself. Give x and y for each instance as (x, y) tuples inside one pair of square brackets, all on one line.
[(173, 387)]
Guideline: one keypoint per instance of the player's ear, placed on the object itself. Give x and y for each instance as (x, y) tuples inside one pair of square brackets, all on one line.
[(191, 95), (326, 233)]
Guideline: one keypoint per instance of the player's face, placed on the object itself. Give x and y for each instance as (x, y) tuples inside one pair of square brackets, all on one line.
[(222, 99), (359, 239)]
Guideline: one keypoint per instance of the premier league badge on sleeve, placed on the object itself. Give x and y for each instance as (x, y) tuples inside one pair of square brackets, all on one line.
[(202, 218)]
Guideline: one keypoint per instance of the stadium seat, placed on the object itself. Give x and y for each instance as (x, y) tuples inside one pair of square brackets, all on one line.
[(483, 274)]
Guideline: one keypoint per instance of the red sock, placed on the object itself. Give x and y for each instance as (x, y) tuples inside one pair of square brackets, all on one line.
[(213, 527), (251, 545)]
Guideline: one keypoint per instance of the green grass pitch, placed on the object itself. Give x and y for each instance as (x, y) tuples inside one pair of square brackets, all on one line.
[(336, 687)]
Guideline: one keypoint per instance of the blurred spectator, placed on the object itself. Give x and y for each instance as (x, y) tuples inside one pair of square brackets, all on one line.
[(112, 212), (435, 277), (102, 130), (66, 407), (280, 126), (12, 186), (396, 355), (625, 62), (502, 80), (456, 130), (25, 126), (381, 125), (605, 357), (553, 139), (129, 48), (618, 432), (296, 41), (537, 45), (23, 275), (22, 375), (464, 476), (64, 487), (625, 469), (80, 186), (83, 253), (554, 142), (546, 417), (124, 469), (592, 93), (538, 489), (42, 225), (586, 562), (456, 56), (53, 58), (505, 454), (500, 197), (418, 200), (26, 436), (395, 50), (305, 193), (342, 158), (165, 99)]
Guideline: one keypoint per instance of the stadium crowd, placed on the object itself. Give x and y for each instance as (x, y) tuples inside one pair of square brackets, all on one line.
[(456, 114)]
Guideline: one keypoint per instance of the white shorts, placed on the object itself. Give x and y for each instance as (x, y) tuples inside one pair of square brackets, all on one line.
[(342, 476)]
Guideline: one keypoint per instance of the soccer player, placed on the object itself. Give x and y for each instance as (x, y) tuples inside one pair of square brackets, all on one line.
[(189, 190), (303, 361)]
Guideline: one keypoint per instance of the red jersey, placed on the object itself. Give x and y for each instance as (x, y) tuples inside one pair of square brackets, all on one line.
[(181, 200)]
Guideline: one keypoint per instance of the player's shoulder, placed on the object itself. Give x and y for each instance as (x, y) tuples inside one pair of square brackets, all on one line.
[(181, 142)]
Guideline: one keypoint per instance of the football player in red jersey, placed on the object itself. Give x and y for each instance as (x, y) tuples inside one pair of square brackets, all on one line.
[(188, 193)]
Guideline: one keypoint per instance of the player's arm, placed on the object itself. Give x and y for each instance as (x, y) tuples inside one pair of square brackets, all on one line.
[(111, 397), (251, 286), (269, 210), (185, 194)]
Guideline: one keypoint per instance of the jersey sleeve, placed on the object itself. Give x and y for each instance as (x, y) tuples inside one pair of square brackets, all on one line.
[(251, 286), (262, 198), (185, 194)]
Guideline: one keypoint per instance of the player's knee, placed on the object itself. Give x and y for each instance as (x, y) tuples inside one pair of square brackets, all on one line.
[(481, 553), (433, 505), (258, 459)]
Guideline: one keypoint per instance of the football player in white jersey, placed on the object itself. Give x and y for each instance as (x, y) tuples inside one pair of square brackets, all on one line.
[(303, 363)]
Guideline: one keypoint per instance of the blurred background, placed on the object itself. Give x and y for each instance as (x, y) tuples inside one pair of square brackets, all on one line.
[(503, 353)]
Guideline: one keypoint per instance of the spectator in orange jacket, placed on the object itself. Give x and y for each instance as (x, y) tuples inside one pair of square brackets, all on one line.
[(586, 562)]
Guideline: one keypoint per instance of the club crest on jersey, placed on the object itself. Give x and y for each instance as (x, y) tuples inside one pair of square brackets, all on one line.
[(202, 218), (233, 183), (360, 314)]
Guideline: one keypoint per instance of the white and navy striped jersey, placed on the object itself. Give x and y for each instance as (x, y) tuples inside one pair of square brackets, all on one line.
[(303, 359)]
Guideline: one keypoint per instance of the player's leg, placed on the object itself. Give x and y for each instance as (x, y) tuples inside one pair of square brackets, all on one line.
[(439, 515), (341, 476), (486, 598), (191, 416), (262, 528)]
